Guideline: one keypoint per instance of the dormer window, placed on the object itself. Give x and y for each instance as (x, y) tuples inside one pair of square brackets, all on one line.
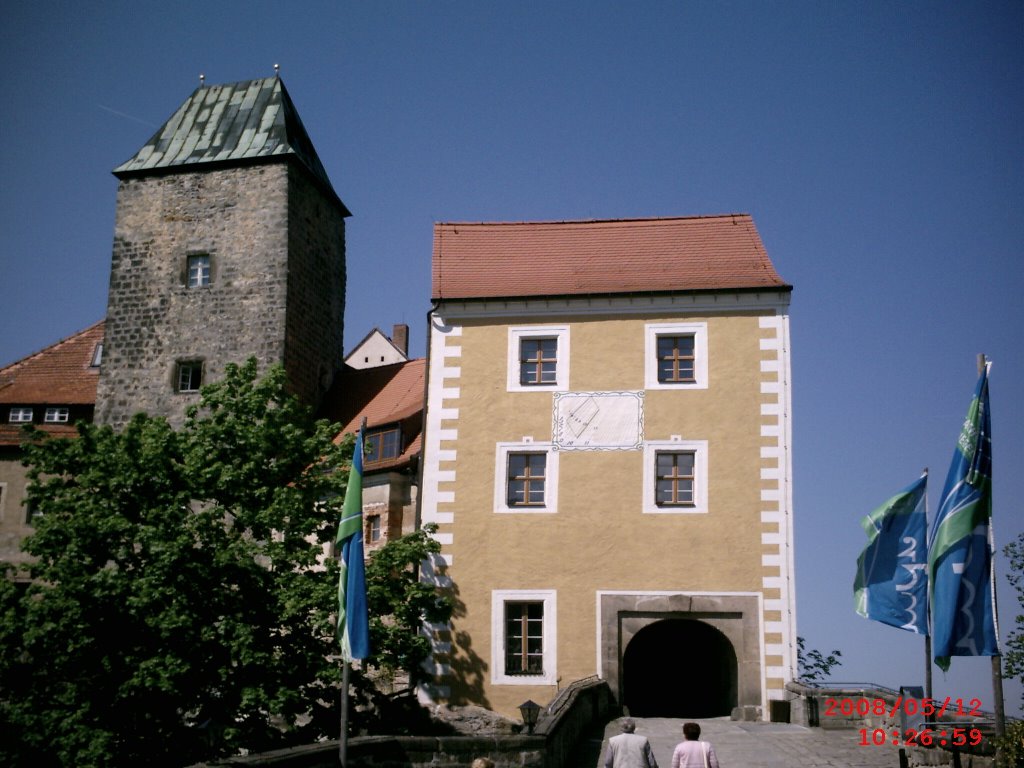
[(198, 270), (382, 444)]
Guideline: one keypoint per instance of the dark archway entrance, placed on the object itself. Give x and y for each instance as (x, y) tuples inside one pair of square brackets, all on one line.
[(679, 668)]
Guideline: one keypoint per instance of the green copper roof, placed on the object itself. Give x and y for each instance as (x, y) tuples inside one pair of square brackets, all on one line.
[(249, 121)]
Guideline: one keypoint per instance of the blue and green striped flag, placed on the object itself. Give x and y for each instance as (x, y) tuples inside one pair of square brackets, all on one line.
[(892, 582), (960, 553), (353, 620)]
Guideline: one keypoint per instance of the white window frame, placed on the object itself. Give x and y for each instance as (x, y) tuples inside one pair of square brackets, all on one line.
[(699, 331), (550, 638), (203, 272), (179, 369), (501, 477), (700, 475), (518, 334), (20, 415), (56, 415)]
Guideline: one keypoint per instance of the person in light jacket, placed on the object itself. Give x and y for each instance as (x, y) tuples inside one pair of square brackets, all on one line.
[(628, 749)]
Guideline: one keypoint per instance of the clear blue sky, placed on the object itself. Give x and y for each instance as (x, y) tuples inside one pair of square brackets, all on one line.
[(878, 146)]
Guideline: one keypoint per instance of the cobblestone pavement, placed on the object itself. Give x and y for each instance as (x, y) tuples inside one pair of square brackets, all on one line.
[(754, 745)]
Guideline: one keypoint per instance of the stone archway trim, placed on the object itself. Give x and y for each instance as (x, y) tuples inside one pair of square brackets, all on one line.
[(737, 615)]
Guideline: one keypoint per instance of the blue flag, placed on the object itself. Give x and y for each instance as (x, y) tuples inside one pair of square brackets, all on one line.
[(960, 553), (892, 581), (353, 619)]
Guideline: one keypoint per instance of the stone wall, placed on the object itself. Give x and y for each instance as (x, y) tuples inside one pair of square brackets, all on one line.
[(314, 334), (580, 708), (276, 248)]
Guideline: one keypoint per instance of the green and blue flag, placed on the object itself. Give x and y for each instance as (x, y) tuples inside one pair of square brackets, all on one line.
[(892, 581), (353, 618), (960, 552)]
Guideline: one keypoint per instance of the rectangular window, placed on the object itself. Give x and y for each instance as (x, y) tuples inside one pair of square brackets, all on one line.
[(525, 479), (198, 270), (382, 444), (32, 513), (97, 356), (190, 376), (20, 415), (56, 415), (676, 356), (676, 359), (538, 359), (373, 525), (674, 479), (675, 476), (524, 638)]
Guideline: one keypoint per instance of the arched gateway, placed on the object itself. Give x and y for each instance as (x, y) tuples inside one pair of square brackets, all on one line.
[(671, 654), (679, 668)]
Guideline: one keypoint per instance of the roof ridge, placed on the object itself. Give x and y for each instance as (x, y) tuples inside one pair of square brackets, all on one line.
[(562, 222)]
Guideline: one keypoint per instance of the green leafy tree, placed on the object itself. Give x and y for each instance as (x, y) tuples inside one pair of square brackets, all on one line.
[(813, 665), (1013, 651), (400, 603), (179, 605)]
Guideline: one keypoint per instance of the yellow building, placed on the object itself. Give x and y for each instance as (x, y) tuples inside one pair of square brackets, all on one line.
[(607, 457)]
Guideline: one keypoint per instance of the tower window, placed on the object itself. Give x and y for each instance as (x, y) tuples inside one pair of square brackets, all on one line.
[(190, 376), (198, 270)]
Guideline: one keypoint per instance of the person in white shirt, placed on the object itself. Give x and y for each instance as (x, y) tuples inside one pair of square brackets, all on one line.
[(693, 753)]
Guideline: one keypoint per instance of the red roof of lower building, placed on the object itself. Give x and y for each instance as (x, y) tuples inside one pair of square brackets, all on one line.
[(383, 395), (61, 374), (527, 259)]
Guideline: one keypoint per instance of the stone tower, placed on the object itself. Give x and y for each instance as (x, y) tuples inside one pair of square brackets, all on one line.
[(229, 242)]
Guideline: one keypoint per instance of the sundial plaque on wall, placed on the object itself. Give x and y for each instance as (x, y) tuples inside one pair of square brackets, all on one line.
[(598, 421)]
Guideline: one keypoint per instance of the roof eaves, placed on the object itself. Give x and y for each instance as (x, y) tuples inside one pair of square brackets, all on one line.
[(779, 288)]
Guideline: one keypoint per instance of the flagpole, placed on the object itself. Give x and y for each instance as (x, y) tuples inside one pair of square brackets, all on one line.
[(343, 741), (997, 660), (927, 622), (346, 665)]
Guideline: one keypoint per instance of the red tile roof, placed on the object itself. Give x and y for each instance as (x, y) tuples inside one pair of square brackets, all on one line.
[(61, 374), (506, 260), (384, 394)]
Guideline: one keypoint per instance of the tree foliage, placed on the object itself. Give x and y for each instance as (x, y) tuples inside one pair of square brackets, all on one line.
[(1013, 651), (400, 603), (179, 606), (813, 665)]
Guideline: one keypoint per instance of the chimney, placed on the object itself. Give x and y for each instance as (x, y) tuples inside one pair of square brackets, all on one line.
[(400, 338)]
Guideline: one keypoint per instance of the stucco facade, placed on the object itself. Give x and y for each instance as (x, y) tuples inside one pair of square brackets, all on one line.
[(600, 559)]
